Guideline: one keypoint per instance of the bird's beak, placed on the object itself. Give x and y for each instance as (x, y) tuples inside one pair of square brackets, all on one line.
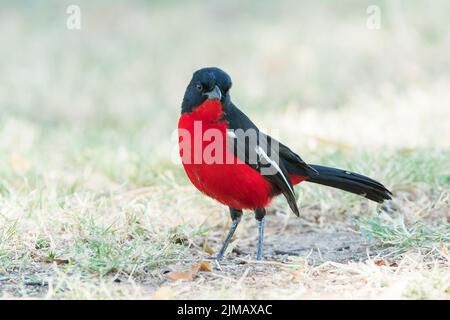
[(214, 94)]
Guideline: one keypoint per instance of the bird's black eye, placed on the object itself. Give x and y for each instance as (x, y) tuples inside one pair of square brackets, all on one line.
[(199, 87)]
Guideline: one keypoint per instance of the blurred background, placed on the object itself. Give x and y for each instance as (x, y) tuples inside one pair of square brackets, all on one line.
[(87, 136), (127, 67)]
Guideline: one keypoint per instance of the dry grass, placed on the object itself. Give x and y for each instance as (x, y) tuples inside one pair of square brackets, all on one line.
[(92, 206)]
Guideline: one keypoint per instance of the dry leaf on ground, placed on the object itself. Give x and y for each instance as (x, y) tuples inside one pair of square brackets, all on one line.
[(205, 266), (191, 273), (207, 248), (58, 261), (380, 262)]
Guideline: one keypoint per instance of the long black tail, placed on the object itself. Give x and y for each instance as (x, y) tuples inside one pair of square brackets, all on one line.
[(351, 182)]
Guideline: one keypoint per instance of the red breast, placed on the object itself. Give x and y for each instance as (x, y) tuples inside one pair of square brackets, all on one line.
[(234, 184)]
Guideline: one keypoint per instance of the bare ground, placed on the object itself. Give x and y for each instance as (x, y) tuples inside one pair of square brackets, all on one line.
[(298, 255)]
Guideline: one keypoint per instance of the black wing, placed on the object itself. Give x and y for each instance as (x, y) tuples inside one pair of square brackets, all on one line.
[(294, 164), (259, 151)]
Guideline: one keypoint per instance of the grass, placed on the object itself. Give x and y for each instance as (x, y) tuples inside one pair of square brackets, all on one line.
[(403, 238), (92, 204), (77, 219)]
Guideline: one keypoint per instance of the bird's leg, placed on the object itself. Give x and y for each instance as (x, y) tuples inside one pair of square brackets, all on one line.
[(260, 216), (235, 218)]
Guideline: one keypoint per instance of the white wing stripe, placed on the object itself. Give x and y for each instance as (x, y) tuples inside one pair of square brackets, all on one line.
[(261, 152)]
